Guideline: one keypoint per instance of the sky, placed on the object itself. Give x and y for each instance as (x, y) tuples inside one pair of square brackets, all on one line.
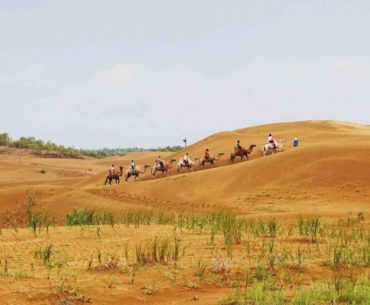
[(117, 73)]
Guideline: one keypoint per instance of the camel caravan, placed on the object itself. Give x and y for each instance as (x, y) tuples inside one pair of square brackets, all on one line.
[(163, 167)]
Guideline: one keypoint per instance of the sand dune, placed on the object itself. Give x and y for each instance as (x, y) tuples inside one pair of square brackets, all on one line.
[(330, 170)]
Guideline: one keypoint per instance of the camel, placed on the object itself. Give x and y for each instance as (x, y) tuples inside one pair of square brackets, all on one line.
[(182, 164), (242, 153), (164, 169), (269, 147), (211, 159), (115, 176), (137, 172)]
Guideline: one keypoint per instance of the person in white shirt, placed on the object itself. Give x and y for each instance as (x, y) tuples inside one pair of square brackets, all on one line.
[(186, 159), (271, 140)]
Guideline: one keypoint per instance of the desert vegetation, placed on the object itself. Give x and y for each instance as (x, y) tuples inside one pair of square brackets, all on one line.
[(306, 260)]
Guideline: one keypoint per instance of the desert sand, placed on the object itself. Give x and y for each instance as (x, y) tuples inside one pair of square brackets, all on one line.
[(326, 176)]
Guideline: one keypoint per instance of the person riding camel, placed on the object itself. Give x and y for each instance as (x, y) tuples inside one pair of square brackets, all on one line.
[(132, 166), (238, 146), (206, 154), (160, 162), (271, 140), (111, 170), (186, 160)]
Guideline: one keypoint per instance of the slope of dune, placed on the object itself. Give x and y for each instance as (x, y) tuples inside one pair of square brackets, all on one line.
[(329, 173), (330, 170)]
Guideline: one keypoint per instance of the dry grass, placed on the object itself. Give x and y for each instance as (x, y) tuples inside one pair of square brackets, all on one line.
[(266, 261)]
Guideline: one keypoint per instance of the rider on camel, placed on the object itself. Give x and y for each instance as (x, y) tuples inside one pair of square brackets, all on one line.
[(132, 166), (238, 146), (186, 159), (160, 162), (271, 140), (206, 154), (111, 170)]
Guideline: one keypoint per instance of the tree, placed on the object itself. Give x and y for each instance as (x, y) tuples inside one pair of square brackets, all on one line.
[(4, 139)]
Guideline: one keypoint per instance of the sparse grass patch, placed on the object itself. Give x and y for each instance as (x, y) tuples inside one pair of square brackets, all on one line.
[(309, 227), (158, 250), (316, 294), (272, 225), (44, 254), (266, 259), (255, 294), (38, 220), (201, 268)]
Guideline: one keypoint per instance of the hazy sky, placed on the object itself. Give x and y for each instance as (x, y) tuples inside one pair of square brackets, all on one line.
[(93, 73)]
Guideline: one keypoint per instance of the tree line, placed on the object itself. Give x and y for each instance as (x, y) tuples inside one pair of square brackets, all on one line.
[(40, 145)]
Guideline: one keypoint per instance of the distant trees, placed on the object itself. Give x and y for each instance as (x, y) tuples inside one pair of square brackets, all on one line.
[(38, 145), (167, 148), (29, 143)]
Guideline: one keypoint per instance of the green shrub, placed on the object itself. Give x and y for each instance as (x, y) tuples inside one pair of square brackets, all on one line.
[(78, 217), (314, 295)]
